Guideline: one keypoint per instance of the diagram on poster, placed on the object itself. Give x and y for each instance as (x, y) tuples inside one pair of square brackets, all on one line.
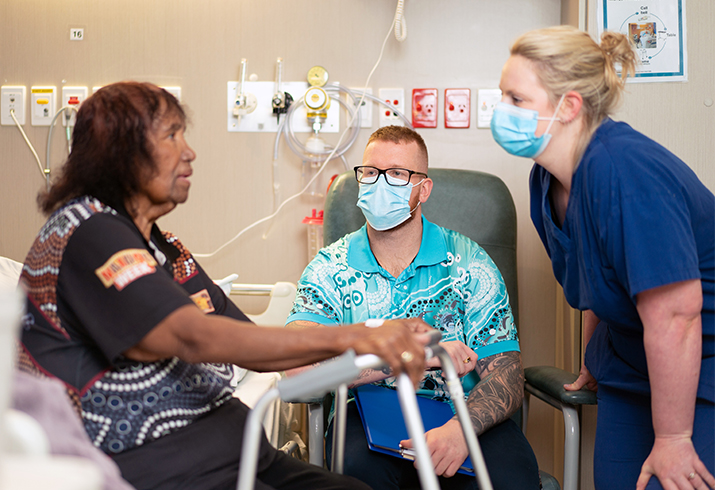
[(656, 29)]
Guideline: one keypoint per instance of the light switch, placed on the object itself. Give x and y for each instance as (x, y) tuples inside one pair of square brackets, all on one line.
[(487, 99)]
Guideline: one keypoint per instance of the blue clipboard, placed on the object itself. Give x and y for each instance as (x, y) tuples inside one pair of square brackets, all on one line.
[(381, 416)]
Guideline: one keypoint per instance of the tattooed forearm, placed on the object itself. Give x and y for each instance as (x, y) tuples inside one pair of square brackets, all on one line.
[(500, 391), (370, 376)]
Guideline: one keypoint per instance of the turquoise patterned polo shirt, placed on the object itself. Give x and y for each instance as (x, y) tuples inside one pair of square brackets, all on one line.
[(452, 284)]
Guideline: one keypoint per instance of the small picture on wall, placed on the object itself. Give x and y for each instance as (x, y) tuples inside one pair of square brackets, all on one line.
[(643, 36)]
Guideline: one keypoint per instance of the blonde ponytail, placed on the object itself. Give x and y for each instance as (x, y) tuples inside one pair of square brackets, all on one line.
[(617, 49)]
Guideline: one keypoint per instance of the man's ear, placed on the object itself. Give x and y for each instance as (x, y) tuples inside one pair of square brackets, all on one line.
[(571, 106), (426, 189)]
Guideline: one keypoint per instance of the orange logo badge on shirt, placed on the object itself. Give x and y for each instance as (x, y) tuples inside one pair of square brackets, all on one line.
[(125, 267), (203, 301)]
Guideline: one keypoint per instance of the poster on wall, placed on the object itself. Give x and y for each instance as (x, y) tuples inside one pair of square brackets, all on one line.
[(656, 29)]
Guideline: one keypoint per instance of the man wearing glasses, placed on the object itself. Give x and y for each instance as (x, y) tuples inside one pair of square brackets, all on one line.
[(400, 265)]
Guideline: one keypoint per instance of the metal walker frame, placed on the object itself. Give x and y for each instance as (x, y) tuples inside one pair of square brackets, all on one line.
[(335, 375)]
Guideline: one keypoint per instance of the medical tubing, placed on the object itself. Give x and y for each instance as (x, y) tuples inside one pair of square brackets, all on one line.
[(270, 216), (49, 139), (456, 393), (27, 140), (345, 163), (293, 143), (301, 150)]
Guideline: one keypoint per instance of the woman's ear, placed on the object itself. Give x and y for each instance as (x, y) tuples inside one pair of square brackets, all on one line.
[(571, 106)]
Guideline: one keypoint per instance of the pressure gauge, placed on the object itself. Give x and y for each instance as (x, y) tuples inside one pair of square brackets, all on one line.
[(316, 99), (317, 76)]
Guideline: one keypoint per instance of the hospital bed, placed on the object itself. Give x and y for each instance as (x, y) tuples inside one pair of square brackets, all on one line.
[(280, 418)]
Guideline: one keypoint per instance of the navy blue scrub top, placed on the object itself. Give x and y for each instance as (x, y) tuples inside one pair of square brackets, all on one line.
[(637, 218)]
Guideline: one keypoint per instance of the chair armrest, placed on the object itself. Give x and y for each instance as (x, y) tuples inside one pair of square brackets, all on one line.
[(551, 380)]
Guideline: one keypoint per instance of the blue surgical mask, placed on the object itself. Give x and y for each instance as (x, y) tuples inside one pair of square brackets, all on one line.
[(385, 206), (514, 129)]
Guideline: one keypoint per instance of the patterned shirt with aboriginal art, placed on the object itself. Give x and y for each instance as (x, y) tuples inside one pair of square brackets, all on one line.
[(452, 284), (95, 287)]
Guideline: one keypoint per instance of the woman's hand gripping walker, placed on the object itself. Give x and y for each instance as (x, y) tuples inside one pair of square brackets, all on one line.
[(335, 375)]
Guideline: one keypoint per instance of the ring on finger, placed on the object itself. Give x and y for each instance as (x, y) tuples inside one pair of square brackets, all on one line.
[(466, 361), (407, 357), (691, 475)]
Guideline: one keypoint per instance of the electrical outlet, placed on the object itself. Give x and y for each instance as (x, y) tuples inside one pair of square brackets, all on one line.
[(12, 97), (175, 91), (42, 105), (395, 97), (72, 97), (365, 108), (456, 107), (424, 108), (487, 99)]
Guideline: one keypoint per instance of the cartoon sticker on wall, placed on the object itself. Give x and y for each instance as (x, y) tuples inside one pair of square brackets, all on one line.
[(656, 29)]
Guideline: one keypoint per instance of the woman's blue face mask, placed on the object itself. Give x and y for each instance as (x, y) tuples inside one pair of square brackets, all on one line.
[(514, 129)]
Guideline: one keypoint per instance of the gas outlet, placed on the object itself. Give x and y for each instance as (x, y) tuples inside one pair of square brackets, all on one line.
[(365, 107), (394, 97), (72, 97), (42, 105), (424, 108), (456, 107)]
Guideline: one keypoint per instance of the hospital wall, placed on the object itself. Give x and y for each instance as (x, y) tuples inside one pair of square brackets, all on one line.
[(198, 46)]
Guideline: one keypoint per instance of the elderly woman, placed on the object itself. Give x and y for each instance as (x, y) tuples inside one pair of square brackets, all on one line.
[(141, 337), (630, 232)]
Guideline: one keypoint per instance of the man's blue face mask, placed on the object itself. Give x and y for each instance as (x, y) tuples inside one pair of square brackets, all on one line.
[(514, 129), (383, 205)]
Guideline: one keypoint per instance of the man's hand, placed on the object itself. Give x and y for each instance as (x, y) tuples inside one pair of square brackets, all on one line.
[(399, 344), (446, 446), (673, 461), (584, 379), (463, 358)]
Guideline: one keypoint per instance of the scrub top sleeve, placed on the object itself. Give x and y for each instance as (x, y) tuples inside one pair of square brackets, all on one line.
[(652, 242), (112, 287)]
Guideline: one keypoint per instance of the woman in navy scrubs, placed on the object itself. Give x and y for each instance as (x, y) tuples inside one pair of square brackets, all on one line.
[(630, 231)]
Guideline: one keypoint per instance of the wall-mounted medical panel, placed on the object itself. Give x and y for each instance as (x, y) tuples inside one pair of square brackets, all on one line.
[(263, 120)]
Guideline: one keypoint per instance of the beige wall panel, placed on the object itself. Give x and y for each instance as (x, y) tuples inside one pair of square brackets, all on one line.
[(198, 46)]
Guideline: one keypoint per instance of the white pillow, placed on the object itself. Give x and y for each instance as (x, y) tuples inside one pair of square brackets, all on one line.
[(9, 274)]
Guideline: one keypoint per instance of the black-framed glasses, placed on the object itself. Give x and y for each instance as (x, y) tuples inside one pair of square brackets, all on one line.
[(396, 177)]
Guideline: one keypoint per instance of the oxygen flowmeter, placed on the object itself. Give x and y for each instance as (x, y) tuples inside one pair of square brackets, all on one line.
[(246, 102), (281, 100)]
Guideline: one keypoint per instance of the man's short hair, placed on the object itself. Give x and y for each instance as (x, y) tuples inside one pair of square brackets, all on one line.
[(400, 135)]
